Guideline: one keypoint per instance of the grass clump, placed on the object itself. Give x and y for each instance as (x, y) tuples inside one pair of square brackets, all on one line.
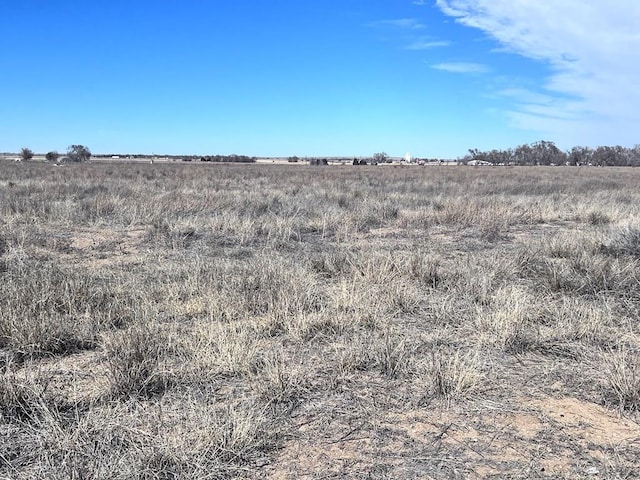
[(392, 355), (51, 309), (512, 321), (623, 241), (452, 375), (239, 432), (23, 399), (134, 356), (278, 382), (623, 369)]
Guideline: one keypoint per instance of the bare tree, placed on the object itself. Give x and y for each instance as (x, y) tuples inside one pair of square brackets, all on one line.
[(26, 154), (78, 153), (380, 157)]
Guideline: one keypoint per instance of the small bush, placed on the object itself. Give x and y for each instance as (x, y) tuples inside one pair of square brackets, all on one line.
[(598, 218)]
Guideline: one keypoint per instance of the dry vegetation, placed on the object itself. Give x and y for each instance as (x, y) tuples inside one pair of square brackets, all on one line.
[(214, 321)]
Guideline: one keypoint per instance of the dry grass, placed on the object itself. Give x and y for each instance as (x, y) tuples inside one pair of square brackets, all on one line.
[(213, 321)]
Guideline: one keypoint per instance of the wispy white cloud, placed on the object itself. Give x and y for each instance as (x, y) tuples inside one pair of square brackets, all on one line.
[(526, 95), (461, 67), (418, 2), (591, 94), (427, 44), (404, 23)]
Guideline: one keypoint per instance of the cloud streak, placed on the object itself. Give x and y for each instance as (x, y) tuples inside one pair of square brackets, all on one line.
[(593, 51), (427, 44), (403, 23), (461, 67)]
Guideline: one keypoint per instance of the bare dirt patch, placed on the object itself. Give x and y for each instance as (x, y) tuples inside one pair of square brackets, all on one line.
[(590, 423), (100, 247), (81, 377)]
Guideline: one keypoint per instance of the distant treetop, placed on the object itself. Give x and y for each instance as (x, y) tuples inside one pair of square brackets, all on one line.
[(78, 153)]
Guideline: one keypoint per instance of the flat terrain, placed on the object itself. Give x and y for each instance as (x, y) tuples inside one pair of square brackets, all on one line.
[(169, 321)]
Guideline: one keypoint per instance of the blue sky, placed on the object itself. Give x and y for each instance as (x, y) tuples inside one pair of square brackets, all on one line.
[(337, 77)]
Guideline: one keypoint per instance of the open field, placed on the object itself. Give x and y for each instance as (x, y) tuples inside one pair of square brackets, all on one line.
[(260, 321)]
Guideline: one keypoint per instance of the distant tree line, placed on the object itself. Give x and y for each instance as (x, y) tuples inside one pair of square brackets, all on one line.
[(547, 153), (537, 153), (318, 161), (185, 158), (228, 158), (75, 153)]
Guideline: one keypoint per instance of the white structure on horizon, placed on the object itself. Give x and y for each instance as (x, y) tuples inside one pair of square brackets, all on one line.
[(407, 157)]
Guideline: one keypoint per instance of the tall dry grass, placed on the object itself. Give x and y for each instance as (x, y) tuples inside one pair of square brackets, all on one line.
[(190, 320)]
